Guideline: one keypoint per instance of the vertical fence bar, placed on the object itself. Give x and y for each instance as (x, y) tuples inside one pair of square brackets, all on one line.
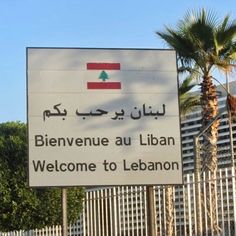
[(195, 204), (216, 206), (189, 207), (164, 210), (227, 201), (120, 212), (178, 211), (155, 210), (57, 230), (222, 203), (87, 211), (234, 197), (99, 211), (210, 180), (132, 210), (111, 210), (137, 210), (159, 209), (106, 213), (90, 213), (116, 210), (103, 213), (127, 209), (69, 229), (185, 218), (142, 207), (205, 204), (145, 210), (200, 206), (84, 216), (94, 215), (174, 199), (123, 211)]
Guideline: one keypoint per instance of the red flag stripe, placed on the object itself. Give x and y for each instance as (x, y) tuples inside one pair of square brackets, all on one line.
[(101, 85), (103, 66)]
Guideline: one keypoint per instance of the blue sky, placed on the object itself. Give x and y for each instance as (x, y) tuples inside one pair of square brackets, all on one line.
[(80, 23)]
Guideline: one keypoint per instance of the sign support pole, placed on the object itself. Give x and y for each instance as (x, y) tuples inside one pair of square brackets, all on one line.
[(64, 211), (151, 211)]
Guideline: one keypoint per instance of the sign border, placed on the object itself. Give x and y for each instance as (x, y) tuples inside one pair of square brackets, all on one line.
[(97, 48)]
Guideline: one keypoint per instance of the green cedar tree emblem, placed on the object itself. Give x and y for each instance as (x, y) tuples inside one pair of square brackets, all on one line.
[(103, 76)]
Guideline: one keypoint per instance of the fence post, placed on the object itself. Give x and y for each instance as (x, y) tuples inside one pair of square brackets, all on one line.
[(64, 211), (151, 211)]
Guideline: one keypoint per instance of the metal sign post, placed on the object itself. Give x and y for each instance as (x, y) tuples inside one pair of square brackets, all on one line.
[(64, 211), (151, 222)]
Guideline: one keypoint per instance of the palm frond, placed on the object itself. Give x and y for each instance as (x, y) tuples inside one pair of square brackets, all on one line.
[(202, 15), (193, 72), (189, 104), (225, 23), (186, 86), (177, 41), (188, 101), (230, 53), (226, 36)]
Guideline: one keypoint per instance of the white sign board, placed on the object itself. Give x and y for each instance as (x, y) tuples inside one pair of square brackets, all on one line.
[(103, 117)]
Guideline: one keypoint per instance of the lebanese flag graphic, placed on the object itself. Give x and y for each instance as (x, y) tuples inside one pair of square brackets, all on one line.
[(103, 75)]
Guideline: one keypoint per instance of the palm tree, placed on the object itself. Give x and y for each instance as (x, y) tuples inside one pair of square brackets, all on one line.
[(205, 42)]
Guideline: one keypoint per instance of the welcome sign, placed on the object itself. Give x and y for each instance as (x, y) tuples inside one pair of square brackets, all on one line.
[(103, 117)]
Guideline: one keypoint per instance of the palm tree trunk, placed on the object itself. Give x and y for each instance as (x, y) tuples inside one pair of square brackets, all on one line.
[(209, 161)]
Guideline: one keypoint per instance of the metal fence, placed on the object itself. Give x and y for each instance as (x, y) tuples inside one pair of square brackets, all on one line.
[(121, 211)]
